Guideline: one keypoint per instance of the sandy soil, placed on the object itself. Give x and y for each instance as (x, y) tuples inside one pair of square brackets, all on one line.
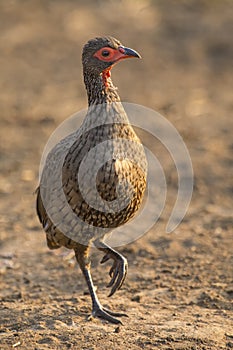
[(179, 289)]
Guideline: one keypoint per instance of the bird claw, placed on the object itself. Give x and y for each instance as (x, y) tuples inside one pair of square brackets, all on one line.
[(105, 258), (117, 272), (111, 271), (107, 315)]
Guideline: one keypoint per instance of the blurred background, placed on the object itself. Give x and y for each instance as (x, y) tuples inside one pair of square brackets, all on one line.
[(185, 74)]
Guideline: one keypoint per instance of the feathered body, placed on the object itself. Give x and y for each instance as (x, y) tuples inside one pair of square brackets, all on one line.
[(94, 179)]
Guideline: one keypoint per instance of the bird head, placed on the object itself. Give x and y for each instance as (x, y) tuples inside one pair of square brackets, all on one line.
[(100, 54)]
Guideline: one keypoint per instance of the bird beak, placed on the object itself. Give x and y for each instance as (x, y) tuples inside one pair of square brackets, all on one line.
[(127, 52)]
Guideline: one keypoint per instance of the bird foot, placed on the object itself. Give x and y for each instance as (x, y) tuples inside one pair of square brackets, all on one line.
[(105, 314), (118, 270)]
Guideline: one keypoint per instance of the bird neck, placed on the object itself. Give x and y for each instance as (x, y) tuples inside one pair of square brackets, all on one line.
[(100, 88)]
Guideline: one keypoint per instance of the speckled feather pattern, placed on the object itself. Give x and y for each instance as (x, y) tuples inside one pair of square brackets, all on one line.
[(105, 122)]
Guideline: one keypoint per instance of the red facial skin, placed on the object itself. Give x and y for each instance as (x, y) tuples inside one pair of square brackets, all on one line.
[(114, 56)]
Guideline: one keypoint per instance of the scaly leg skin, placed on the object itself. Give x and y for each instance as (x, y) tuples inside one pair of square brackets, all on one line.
[(98, 310), (119, 268)]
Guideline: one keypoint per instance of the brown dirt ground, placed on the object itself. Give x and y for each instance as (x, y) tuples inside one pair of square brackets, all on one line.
[(179, 290)]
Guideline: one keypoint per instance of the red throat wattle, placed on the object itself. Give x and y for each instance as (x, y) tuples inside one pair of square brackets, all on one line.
[(105, 75)]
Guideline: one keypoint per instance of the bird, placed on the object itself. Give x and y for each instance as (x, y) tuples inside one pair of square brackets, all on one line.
[(94, 179)]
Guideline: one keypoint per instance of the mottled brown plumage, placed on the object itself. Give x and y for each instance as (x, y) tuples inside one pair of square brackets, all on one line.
[(94, 179)]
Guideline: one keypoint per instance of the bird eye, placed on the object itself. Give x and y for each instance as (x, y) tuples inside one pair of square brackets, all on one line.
[(105, 53)]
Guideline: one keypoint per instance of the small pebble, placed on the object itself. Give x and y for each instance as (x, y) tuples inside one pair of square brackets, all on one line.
[(136, 298)]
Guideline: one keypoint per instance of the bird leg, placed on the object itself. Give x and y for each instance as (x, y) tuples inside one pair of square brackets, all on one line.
[(119, 268), (82, 256)]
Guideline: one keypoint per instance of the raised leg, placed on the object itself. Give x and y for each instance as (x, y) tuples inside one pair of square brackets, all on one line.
[(119, 268), (82, 256)]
